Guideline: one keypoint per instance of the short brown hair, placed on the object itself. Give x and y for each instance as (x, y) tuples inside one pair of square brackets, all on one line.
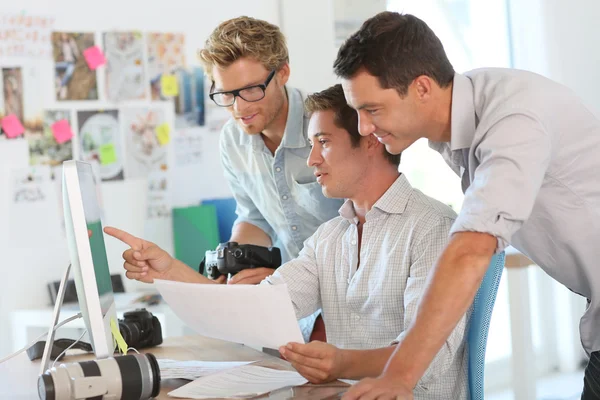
[(244, 37), (395, 48), (345, 117)]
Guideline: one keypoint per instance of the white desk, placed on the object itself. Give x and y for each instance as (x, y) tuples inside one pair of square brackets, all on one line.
[(27, 324), (18, 377)]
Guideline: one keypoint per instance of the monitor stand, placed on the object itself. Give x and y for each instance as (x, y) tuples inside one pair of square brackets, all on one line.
[(57, 305)]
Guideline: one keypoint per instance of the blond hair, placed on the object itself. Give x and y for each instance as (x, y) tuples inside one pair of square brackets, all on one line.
[(244, 37)]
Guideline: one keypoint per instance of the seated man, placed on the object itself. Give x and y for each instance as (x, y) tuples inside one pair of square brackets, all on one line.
[(366, 268)]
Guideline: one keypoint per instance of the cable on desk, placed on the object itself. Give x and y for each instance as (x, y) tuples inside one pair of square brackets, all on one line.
[(76, 316), (65, 350)]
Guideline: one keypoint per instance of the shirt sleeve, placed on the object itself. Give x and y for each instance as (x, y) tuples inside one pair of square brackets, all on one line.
[(245, 209), (513, 156), (301, 275), (424, 255)]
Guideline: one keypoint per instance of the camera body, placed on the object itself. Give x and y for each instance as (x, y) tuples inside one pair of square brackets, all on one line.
[(231, 258), (140, 329)]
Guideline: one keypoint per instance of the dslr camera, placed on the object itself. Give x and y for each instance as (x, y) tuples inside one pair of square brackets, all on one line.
[(140, 329), (231, 258)]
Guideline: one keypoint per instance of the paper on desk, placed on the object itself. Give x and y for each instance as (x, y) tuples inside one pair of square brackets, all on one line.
[(256, 315), (246, 381), (173, 369)]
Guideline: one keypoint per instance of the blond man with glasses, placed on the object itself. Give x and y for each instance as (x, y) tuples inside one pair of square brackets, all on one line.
[(264, 145)]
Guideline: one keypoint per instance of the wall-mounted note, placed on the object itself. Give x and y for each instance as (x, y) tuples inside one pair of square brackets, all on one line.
[(163, 133), (107, 154), (168, 85), (62, 131), (11, 126), (94, 57)]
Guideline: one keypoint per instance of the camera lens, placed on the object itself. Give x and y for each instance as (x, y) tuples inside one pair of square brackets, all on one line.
[(131, 332), (129, 377), (46, 388)]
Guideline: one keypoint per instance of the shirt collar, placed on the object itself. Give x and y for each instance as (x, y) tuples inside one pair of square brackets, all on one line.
[(294, 135), (462, 129), (393, 201)]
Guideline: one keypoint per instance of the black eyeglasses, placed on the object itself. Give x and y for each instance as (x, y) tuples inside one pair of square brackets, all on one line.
[(250, 93)]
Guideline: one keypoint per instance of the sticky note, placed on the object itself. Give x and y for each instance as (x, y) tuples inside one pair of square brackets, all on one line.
[(94, 57), (11, 126), (62, 131), (107, 154), (168, 85), (121, 344), (163, 133)]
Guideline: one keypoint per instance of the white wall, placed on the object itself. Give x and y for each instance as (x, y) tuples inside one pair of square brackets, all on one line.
[(25, 270)]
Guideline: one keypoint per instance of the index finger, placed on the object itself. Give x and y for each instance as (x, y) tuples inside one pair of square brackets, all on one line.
[(127, 238)]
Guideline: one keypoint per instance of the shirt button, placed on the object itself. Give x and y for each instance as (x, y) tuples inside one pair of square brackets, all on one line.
[(353, 243), (278, 169), (284, 197), (294, 228), (357, 317)]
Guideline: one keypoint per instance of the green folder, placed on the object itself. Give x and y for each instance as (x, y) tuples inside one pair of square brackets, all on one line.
[(195, 230)]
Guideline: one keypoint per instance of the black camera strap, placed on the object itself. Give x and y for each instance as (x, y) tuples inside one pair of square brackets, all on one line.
[(36, 351)]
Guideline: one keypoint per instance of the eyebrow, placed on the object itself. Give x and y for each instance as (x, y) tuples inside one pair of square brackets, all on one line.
[(254, 83), (318, 135), (367, 105)]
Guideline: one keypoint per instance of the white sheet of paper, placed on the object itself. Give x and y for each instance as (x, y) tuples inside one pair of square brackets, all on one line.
[(256, 315), (174, 369), (246, 381)]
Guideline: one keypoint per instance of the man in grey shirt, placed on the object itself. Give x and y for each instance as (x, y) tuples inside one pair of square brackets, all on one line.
[(526, 150)]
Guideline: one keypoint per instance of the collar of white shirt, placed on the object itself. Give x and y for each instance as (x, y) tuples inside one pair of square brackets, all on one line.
[(393, 201)]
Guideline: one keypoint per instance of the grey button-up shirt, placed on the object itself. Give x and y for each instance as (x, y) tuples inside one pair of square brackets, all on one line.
[(371, 306), (528, 153), (277, 193)]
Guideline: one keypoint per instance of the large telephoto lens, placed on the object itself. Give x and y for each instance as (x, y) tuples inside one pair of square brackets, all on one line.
[(135, 377)]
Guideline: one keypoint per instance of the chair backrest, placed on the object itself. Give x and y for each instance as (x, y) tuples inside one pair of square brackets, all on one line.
[(479, 324)]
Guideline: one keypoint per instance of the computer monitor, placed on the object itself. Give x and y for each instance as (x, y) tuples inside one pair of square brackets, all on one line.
[(89, 262)]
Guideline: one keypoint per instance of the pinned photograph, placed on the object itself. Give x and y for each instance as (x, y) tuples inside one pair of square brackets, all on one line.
[(166, 54), (74, 80), (100, 143), (146, 148), (189, 103), (125, 77), (20, 101), (53, 144)]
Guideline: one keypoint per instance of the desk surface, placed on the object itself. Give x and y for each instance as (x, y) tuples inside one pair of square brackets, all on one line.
[(18, 376)]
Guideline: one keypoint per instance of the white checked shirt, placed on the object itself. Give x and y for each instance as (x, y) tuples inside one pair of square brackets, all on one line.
[(371, 306)]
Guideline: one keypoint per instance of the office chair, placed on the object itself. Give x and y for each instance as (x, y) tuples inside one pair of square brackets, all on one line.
[(479, 324)]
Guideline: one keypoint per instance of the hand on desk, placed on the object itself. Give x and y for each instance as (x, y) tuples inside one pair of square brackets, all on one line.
[(251, 276), (381, 388), (144, 261), (319, 362)]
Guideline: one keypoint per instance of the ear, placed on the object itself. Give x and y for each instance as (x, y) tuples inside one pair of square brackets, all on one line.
[(422, 85), (283, 74), (373, 145)]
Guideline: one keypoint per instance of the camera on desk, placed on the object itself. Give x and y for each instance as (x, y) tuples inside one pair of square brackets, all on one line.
[(231, 258), (140, 329)]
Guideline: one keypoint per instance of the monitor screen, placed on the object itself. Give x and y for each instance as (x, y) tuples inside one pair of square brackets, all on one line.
[(93, 214), (85, 239)]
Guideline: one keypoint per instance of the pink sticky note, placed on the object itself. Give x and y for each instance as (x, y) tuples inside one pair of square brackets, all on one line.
[(94, 57), (11, 126), (62, 131)]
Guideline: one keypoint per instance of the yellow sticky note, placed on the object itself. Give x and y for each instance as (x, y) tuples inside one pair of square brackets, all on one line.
[(163, 133), (107, 154), (168, 85), (114, 328)]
